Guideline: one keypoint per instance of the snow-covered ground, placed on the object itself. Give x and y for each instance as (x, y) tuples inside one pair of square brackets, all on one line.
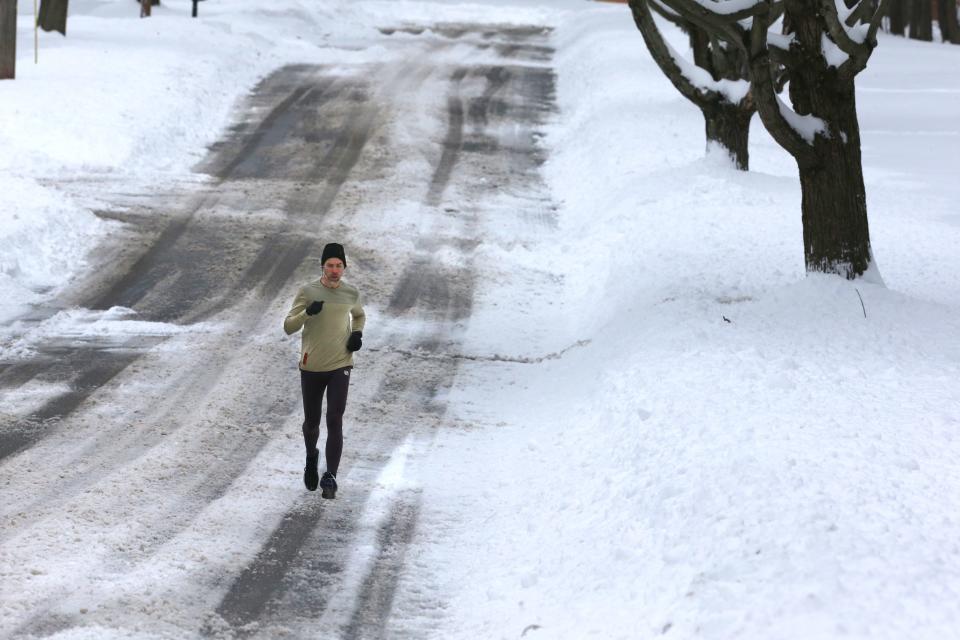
[(788, 474), (694, 439)]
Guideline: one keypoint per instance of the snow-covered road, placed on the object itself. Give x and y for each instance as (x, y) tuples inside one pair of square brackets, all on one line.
[(162, 459)]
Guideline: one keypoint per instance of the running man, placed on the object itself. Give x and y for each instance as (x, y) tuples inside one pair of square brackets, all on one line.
[(329, 312)]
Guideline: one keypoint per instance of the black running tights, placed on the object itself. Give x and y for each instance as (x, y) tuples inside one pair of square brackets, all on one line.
[(313, 384)]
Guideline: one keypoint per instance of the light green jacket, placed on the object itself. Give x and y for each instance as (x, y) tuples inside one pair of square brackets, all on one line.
[(323, 345)]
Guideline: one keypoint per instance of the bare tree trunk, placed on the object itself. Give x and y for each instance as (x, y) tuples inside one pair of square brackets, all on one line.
[(146, 7), (836, 235), (899, 17), (8, 39), (728, 125), (53, 15), (947, 18), (921, 20)]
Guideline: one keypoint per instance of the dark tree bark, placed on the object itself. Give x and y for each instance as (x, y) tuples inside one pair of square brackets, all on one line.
[(53, 15), (8, 39), (727, 124), (921, 20), (821, 57), (899, 17), (836, 235), (947, 18), (146, 7)]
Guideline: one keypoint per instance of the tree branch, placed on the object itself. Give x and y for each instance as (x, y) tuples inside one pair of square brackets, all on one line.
[(723, 26), (765, 97), (669, 15), (776, 10), (858, 60), (858, 14), (720, 9), (662, 55), (838, 31), (876, 21)]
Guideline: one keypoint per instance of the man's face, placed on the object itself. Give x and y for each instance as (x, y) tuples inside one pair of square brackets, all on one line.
[(333, 269)]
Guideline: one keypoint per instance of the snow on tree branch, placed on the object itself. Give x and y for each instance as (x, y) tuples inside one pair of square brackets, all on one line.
[(781, 41), (715, 78), (769, 105), (849, 39), (834, 55), (732, 9), (678, 70), (724, 26), (729, 20), (853, 35), (733, 91), (849, 16), (807, 127), (695, 83), (661, 52)]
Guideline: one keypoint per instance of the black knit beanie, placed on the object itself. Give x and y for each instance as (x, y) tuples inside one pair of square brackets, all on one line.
[(333, 250)]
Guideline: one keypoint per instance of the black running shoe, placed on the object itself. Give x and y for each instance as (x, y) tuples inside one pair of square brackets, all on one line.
[(311, 476), (328, 485)]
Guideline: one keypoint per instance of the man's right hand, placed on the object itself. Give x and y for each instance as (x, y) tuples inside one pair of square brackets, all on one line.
[(314, 307)]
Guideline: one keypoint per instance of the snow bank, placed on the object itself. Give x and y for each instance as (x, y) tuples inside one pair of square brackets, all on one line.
[(733, 449), (44, 237)]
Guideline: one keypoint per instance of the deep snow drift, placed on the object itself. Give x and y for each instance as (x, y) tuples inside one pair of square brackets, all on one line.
[(701, 442)]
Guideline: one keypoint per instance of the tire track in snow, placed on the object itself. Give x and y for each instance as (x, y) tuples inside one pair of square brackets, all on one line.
[(451, 143), (106, 455), (264, 589), (179, 269), (279, 256), (199, 490), (440, 294), (270, 270), (376, 594), (311, 541)]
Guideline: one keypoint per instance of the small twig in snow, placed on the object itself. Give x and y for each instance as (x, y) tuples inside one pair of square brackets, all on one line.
[(861, 302)]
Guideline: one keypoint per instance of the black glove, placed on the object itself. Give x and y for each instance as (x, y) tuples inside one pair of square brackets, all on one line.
[(354, 342), (314, 307)]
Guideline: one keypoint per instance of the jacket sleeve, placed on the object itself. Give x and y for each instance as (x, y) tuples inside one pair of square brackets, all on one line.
[(358, 316), (297, 315)]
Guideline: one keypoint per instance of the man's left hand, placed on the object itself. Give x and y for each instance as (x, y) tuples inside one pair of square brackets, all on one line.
[(354, 342)]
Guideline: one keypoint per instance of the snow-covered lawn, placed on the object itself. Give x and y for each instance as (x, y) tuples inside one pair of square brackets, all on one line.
[(791, 473)]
